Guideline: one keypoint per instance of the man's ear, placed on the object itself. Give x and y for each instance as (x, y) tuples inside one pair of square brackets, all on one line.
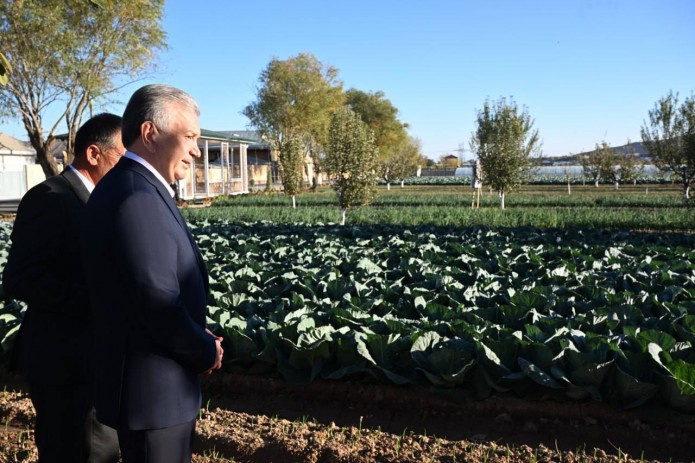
[(148, 132), (93, 154)]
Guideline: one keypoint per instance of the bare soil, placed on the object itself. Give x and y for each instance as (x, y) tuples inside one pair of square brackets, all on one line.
[(254, 419)]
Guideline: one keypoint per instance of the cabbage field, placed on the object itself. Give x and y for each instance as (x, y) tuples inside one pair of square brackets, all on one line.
[(606, 315), (537, 305)]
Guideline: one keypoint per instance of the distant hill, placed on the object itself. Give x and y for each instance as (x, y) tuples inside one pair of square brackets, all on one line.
[(636, 147)]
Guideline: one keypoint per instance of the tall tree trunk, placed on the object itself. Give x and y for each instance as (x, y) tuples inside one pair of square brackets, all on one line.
[(43, 148), (294, 202), (342, 216), (569, 188), (47, 161), (502, 199), (388, 185)]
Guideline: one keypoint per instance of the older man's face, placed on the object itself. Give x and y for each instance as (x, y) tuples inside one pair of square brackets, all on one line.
[(177, 144)]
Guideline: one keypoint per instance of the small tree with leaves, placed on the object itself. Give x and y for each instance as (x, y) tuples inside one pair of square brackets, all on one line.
[(351, 160), (670, 138), (292, 165), (390, 135), (506, 144), (406, 160), (598, 164), (627, 168)]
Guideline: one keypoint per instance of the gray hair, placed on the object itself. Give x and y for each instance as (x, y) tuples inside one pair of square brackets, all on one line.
[(151, 103)]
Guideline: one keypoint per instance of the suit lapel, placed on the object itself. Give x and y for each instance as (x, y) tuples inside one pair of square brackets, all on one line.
[(76, 184)]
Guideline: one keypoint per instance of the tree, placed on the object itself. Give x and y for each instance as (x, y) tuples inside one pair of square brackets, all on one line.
[(566, 170), (82, 53), (292, 165), (598, 164), (406, 161), (390, 134), (5, 70), (626, 168), (505, 143), (670, 138), (295, 100), (351, 160)]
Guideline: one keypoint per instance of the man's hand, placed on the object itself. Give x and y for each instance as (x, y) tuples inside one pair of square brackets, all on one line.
[(219, 355)]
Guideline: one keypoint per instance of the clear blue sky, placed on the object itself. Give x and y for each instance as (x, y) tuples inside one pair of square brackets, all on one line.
[(587, 70)]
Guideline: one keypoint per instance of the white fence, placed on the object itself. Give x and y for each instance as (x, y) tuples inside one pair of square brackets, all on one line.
[(12, 185)]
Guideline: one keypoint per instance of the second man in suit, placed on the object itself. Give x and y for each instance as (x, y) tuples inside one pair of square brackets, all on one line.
[(44, 269)]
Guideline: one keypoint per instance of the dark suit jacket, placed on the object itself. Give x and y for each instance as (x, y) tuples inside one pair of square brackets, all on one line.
[(148, 287), (44, 269)]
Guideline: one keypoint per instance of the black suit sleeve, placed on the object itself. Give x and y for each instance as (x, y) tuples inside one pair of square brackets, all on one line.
[(152, 246), (42, 265)]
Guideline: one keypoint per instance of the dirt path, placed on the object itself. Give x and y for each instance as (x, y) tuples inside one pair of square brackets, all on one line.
[(252, 419)]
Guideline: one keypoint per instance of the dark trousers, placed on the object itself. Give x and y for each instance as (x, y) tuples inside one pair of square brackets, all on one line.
[(167, 445), (66, 429)]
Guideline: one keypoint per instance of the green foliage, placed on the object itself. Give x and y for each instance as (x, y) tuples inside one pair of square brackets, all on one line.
[(5, 70), (670, 138), (295, 100), (351, 160), (627, 169), (269, 179), (80, 54), (292, 164), (598, 164), (406, 160), (632, 207), (11, 311), (505, 143), (390, 136), (539, 313)]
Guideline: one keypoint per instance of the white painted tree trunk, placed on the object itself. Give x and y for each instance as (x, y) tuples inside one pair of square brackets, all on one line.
[(569, 188), (388, 185), (402, 183), (294, 202), (617, 185), (686, 192), (342, 216), (502, 199), (596, 183)]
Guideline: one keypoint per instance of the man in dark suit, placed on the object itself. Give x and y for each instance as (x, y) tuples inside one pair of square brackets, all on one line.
[(44, 269), (149, 285)]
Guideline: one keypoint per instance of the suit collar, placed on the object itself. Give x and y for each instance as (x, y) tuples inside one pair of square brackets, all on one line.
[(76, 184), (137, 158), (163, 190), (136, 166)]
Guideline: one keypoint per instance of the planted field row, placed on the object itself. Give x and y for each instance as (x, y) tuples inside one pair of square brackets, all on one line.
[(536, 179), (660, 208), (609, 316)]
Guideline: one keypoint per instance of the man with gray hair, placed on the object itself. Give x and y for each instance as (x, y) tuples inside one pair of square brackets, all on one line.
[(148, 284)]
